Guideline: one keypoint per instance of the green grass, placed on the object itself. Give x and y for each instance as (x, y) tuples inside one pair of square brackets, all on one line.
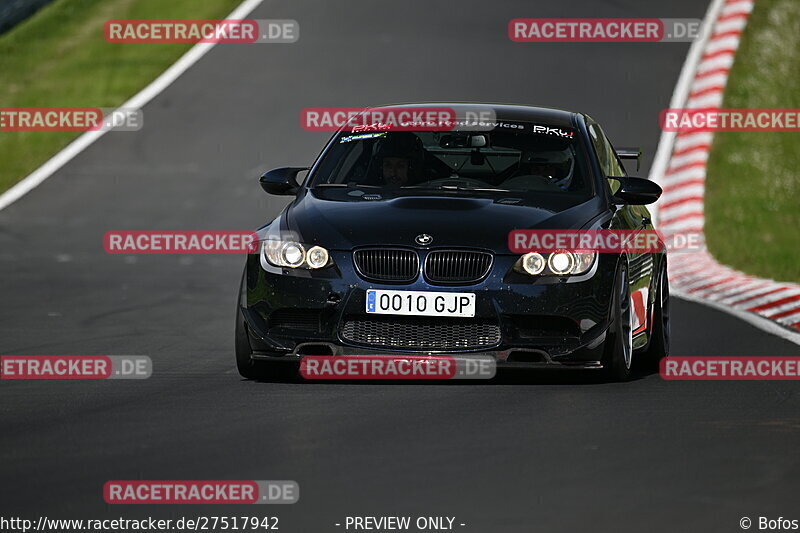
[(753, 184), (59, 58)]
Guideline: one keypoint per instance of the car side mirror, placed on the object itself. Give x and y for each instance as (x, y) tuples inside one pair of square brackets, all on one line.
[(281, 181), (635, 191)]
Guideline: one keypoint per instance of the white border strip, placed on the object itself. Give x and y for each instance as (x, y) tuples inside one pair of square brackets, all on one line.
[(136, 102), (680, 95), (663, 158)]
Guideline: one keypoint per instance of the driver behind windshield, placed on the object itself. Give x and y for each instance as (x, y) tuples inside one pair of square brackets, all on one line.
[(553, 165), (399, 155)]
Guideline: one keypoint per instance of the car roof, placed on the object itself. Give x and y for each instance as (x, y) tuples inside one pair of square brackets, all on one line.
[(522, 113)]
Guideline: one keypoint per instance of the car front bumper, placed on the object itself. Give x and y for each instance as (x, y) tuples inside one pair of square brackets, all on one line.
[(531, 322)]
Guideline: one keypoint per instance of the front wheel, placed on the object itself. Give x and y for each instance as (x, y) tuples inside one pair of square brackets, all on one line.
[(618, 357)]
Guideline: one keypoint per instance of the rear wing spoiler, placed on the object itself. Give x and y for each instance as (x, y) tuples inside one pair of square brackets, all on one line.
[(631, 153)]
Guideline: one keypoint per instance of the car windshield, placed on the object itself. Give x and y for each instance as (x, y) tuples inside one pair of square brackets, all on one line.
[(514, 159)]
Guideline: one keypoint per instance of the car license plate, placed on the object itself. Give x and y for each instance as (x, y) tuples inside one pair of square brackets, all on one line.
[(419, 303)]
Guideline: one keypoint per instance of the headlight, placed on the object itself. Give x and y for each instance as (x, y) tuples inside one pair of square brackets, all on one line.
[(556, 263), (292, 254), (583, 262), (317, 257), (533, 263), (561, 263)]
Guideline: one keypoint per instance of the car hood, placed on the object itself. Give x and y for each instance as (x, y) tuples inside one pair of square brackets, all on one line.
[(451, 221)]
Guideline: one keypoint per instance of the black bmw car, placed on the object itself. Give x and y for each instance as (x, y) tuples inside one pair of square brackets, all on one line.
[(396, 243)]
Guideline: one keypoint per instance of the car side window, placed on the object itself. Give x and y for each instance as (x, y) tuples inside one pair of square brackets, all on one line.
[(600, 148), (614, 165), (606, 155)]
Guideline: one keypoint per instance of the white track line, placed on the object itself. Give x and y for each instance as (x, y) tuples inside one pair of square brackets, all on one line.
[(136, 102)]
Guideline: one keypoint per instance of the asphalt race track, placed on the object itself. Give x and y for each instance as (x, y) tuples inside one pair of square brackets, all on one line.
[(532, 452)]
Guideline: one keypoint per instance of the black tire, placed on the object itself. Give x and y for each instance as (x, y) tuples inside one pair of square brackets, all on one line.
[(660, 332), (618, 356)]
